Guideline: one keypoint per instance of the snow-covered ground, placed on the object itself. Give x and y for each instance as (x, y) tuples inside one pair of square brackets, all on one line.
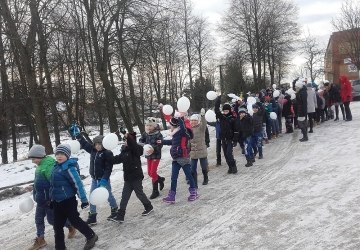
[(300, 196)]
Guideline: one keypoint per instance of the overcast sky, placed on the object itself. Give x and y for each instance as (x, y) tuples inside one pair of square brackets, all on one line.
[(314, 15)]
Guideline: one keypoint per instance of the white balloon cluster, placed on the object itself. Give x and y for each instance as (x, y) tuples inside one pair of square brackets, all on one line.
[(110, 141)]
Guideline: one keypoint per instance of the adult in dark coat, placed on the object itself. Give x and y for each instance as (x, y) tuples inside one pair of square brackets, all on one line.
[(301, 102), (335, 99)]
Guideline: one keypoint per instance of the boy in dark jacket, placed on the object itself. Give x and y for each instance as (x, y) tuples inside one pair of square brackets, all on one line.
[(153, 137), (41, 195), (228, 133), (133, 176), (301, 106), (65, 183), (100, 170), (246, 128), (287, 112)]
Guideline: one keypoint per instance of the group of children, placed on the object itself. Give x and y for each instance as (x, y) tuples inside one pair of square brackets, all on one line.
[(58, 181)]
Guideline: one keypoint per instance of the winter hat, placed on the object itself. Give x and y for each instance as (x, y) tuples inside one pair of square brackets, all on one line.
[(63, 149), (98, 139), (37, 151), (226, 106), (267, 98), (255, 106), (151, 121), (174, 122), (194, 117), (242, 110)]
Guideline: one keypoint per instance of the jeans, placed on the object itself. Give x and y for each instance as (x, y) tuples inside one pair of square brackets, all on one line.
[(256, 141), (175, 169), (203, 164), (218, 151), (249, 154), (111, 199), (275, 127), (228, 153), (67, 209), (137, 187)]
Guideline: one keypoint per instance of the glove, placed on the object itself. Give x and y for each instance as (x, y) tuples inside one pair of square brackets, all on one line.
[(84, 205), (103, 183), (202, 112), (74, 130), (122, 130), (234, 143)]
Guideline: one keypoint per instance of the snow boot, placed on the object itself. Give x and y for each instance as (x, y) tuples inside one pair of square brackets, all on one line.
[(148, 209), (249, 163), (72, 232), (304, 139), (193, 194), (39, 242), (234, 169), (113, 213), (170, 198), (120, 215), (161, 181), (155, 192), (261, 156), (206, 177), (90, 243), (91, 219)]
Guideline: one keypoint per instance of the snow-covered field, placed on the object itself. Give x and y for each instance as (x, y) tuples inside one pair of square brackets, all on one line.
[(300, 196)]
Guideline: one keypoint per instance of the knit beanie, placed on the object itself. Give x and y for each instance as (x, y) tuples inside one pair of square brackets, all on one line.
[(226, 106), (194, 117), (63, 149), (37, 151), (98, 139)]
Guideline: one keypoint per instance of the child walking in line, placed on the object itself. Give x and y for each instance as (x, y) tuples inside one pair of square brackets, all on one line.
[(153, 137), (65, 183), (100, 170), (245, 126), (180, 153), (133, 176), (198, 146), (41, 195)]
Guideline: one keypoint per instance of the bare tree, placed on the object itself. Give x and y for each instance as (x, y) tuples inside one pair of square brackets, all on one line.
[(349, 23)]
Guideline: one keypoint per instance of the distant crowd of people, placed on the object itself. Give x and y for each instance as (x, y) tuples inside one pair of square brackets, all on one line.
[(249, 124)]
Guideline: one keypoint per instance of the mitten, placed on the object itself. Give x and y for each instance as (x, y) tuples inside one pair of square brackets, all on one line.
[(84, 205)]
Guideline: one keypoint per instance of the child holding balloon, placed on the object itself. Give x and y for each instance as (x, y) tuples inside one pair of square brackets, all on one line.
[(153, 137), (133, 175), (41, 195), (65, 183), (100, 170)]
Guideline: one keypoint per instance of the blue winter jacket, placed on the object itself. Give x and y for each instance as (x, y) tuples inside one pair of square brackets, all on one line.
[(100, 161), (42, 180), (65, 181)]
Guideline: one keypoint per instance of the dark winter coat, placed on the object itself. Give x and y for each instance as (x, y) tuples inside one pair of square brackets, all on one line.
[(245, 126), (301, 102), (258, 118), (65, 181), (286, 112), (130, 158), (152, 138), (334, 94), (100, 161), (228, 130), (179, 142)]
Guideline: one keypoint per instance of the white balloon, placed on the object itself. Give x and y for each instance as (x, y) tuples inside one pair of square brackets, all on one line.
[(273, 115), (167, 109), (183, 104), (274, 86), (250, 109), (210, 116), (293, 96), (276, 93), (26, 205), (211, 95), (147, 148), (74, 146), (251, 100), (110, 141), (99, 196)]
